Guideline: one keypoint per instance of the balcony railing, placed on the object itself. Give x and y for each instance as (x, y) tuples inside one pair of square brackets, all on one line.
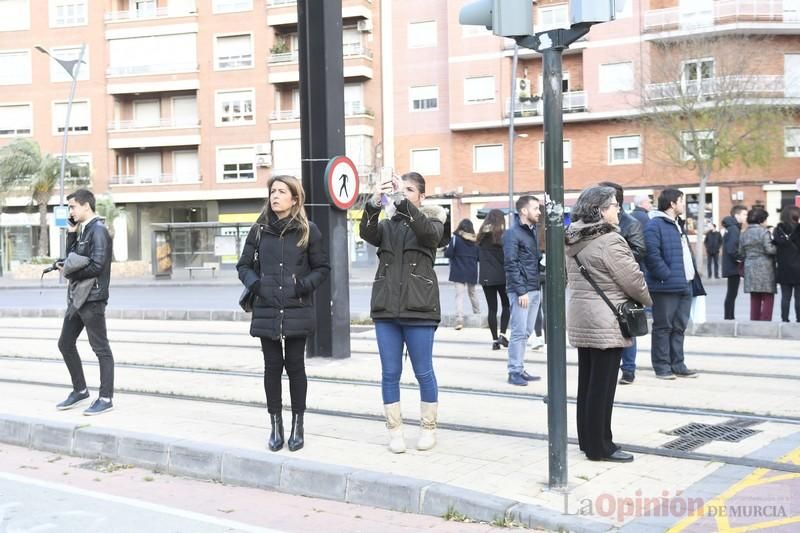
[(163, 68), (277, 3), (353, 109), (128, 125), (284, 57), (154, 179), (750, 86), (727, 11), (356, 50), (236, 61), (572, 101), (149, 13), (281, 116)]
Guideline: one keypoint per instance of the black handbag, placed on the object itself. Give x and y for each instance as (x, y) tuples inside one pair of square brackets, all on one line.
[(248, 297), (630, 315)]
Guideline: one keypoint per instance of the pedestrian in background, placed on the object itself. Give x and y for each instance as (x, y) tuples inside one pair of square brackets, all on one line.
[(462, 251), (284, 260), (642, 205), (521, 264), (787, 241), (758, 251), (492, 276), (593, 239), (405, 297), (731, 261), (669, 275), (631, 230), (713, 244), (87, 267)]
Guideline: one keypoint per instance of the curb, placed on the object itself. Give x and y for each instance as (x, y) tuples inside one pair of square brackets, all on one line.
[(278, 472), (724, 328)]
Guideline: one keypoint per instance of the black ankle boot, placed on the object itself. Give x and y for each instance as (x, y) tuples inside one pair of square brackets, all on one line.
[(276, 434), (296, 438)]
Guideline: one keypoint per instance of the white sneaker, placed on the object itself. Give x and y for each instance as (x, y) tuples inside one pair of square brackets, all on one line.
[(536, 343)]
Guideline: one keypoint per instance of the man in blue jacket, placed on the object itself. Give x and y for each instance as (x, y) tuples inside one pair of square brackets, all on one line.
[(669, 275), (521, 254)]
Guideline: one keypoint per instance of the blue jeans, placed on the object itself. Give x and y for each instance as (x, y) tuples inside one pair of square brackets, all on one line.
[(629, 358), (419, 341), (522, 322)]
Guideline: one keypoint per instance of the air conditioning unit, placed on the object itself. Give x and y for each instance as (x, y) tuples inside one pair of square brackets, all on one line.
[(364, 25), (262, 149), (264, 160), (523, 88)]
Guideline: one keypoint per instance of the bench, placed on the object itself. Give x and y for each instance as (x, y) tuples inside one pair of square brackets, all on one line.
[(212, 268)]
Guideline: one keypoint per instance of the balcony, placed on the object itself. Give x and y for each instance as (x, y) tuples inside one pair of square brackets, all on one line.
[(357, 64), (151, 13), (157, 179), (284, 12), (572, 102), (728, 86), (279, 3), (284, 57), (724, 12), (285, 116), (357, 109), (140, 125), (152, 69)]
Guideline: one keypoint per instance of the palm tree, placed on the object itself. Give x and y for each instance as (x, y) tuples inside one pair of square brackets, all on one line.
[(107, 209)]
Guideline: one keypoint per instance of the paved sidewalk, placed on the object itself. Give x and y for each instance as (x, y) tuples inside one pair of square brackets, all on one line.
[(500, 472)]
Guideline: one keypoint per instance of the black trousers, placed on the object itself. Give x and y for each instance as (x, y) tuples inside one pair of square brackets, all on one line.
[(597, 384), (91, 316), (786, 299), (291, 355), (730, 296), (713, 259), (540, 324), (670, 317), (492, 292)]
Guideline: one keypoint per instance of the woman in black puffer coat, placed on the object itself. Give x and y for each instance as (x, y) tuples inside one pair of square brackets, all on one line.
[(283, 261), (492, 274)]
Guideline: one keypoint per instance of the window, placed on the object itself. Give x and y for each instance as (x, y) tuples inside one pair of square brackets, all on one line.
[(68, 13), (351, 42), (791, 142), (153, 54), (791, 73), (567, 153), (79, 118), (422, 34), (184, 111), (424, 97), (479, 90), (487, 158), (286, 157), (79, 167), (234, 51), (696, 71), (15, 120), (553, 17), (615, 77), (229, 6), (359, 149), (624, 150), (236, 163), (425, 161), (15, 15), (697, 145), (235, 107), (353, 99), (69, 53), (143, 8), (15, 67)]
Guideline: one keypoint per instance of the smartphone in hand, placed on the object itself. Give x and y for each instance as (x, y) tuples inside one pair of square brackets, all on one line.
[(71, 221)]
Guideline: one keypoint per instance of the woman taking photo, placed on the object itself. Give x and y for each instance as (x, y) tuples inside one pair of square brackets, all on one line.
[(405, 297), (755, 246), (283, 261), (787, 241), (463, 255), (593, 238), (492, 275)]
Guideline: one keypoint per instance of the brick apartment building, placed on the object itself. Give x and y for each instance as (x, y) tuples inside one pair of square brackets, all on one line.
[(184, 108)]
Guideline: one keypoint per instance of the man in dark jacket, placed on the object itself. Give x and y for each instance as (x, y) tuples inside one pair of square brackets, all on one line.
[(632, 231), (94, 242), (642, 205), (521, 264), (669, 275), (730, 256), (713, 242)]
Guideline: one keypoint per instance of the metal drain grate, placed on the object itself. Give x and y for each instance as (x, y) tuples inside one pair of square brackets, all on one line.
[(693, 435)]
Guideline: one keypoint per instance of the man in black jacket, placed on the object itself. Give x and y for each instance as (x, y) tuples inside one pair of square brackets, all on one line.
[(713, 242), (730, 256), (87, 236), (633, 232)]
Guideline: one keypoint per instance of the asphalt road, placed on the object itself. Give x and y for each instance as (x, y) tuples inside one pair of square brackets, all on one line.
[(225, 297)]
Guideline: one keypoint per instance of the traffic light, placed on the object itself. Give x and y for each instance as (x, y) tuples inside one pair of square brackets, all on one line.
[(505, 18)]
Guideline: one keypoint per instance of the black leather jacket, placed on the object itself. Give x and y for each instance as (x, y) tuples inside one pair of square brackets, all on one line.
[(94, 243), (631, 229)]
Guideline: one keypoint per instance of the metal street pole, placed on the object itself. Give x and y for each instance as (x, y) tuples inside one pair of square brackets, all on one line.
[(322, 137), (511, 135)]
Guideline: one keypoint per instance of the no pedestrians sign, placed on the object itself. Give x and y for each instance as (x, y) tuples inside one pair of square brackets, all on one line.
[(341, 179)]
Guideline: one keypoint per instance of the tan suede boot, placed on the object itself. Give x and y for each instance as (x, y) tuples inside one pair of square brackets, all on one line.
[(394, 423), (427, 432)]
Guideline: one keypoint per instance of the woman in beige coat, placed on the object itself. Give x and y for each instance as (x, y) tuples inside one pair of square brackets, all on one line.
[(594, 238)]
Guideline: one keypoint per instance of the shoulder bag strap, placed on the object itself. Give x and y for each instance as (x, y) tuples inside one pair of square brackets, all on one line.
[(597, 289), (256, 260)]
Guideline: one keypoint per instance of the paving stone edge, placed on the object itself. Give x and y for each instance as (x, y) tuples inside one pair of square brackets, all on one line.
[(723, 328), (279, 472)]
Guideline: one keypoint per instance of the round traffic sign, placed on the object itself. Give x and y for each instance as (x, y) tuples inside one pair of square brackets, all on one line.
[(341, 179)]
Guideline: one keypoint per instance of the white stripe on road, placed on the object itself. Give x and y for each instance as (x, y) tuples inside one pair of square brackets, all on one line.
[(189, 515)]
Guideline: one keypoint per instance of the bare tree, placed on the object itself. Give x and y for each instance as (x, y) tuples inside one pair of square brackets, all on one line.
[(712, 105)]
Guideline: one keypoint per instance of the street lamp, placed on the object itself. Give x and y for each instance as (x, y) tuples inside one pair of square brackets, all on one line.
[(72, 66)]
